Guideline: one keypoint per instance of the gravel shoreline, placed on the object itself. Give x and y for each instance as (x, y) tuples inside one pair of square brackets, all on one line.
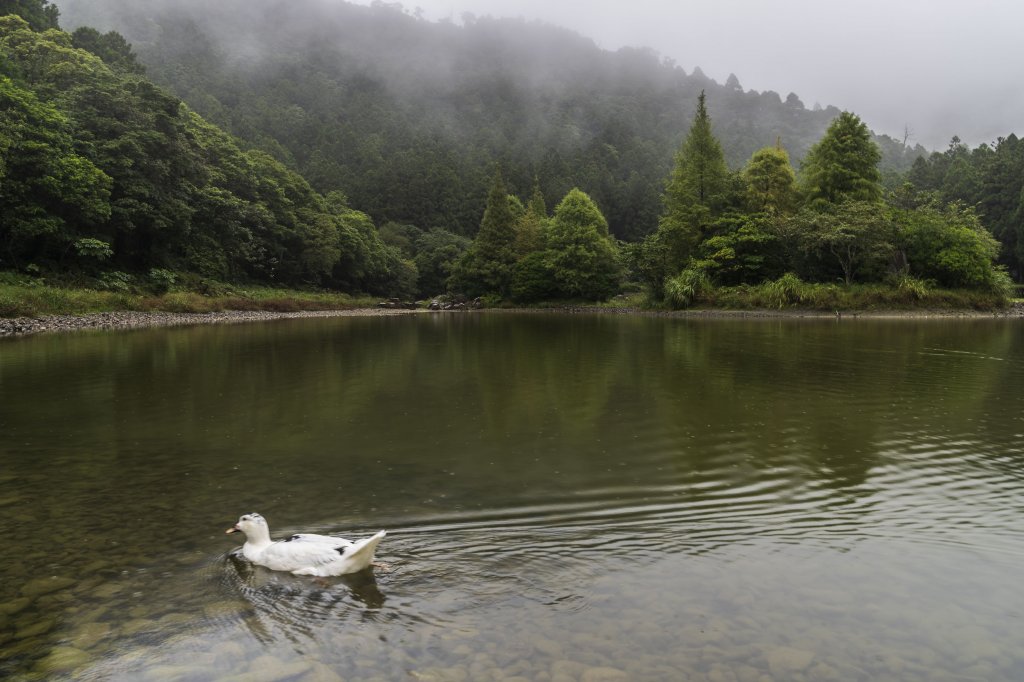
[(22, 326)]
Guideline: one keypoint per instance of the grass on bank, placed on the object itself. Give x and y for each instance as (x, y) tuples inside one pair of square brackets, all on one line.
[(692, 290), (33, 299), (22, 296)]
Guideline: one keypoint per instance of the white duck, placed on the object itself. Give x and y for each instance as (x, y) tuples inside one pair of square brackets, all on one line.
[(304, 553)]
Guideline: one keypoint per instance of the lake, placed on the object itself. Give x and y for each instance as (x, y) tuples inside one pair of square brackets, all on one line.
[(567, 497)]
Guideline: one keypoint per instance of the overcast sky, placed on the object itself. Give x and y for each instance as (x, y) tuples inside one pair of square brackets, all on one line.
[(939, 67)]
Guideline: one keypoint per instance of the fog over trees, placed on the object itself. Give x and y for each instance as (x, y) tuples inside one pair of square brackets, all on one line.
[(324, 144), (923, 68), (407, 116)]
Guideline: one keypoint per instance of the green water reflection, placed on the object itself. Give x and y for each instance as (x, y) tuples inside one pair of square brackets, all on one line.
[(567, 497)]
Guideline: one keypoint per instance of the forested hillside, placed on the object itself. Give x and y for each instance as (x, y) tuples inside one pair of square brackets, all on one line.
[(104, 174), (457, 139), (408, 117)]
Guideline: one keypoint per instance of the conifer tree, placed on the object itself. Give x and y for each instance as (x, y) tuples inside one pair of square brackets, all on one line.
[(486, 268), (698, 184), (842, 165), (695, 195), (770, 180), (580, 250), (696, 190), (531, 226), (537, 206)]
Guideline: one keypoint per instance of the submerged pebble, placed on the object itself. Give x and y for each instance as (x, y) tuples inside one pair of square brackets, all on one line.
[(138, 625), (604, 674), (323, 673), (14, 606), (175, 673), (107, 590), (271, 669), (786, 660), (230, 651), (90, 634), (33, 626), (40, 586), (62, 659)]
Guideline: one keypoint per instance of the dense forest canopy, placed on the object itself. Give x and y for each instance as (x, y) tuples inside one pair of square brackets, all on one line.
[(990, 178), (456, 139), (407, 116), (103, 172)]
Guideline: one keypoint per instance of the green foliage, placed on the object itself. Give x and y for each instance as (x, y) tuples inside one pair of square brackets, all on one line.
[(533, 279), (659, 256), (785, 291), (990, 178), (49, 190), (532, 225), (402, 237), (697, 192), (696, 189), (39, 14), (855, 234), (99, 164), (365, 263), (30, 299), (486, 268), (950, 247), (686, 288), (843, 165), (161, 281), (912, 287), (111, 47), (97, 249), (437, 251), (770, 181), (580, 251), (411, 139), (744, 249), (832, 298), (117, 281), (91, 150), (404, 278)]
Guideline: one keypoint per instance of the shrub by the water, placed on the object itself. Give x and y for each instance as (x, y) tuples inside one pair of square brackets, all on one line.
[(686, 288)]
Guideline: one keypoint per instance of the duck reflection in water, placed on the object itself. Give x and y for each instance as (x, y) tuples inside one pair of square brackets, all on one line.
[(283, 606)]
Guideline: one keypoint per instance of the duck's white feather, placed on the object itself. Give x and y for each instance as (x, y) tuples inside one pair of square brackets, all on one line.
[(304, 553)]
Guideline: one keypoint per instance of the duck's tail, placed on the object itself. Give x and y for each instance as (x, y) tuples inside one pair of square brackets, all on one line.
[(361, 552)]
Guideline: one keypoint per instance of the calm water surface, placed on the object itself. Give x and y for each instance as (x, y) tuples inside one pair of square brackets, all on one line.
[(567, 498)]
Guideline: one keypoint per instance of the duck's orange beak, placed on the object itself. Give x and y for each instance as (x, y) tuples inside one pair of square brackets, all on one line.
[(232, 529)]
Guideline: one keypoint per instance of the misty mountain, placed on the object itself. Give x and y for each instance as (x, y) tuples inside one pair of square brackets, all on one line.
[(408, 117)]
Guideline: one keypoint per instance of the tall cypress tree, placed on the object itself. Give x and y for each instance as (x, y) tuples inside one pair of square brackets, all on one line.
[(695, 195), (697, 187), (696, 190), (487, 267), (531, 226), (537, 206), (843, 164)]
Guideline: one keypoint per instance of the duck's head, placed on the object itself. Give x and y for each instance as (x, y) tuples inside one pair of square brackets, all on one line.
[(250, 524)]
